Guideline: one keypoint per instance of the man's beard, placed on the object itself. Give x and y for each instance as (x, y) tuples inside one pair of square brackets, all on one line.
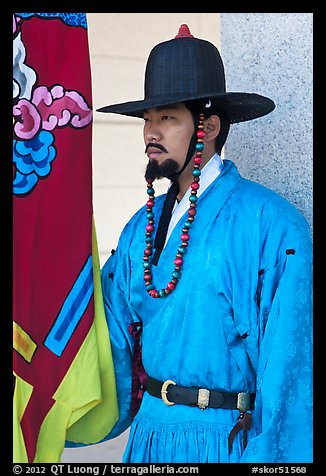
[(168, 169)]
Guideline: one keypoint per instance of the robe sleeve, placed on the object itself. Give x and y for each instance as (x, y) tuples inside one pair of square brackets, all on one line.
[(115, 280), (283, 405)]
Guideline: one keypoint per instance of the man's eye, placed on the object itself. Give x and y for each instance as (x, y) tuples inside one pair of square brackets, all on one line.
[(165, 118)]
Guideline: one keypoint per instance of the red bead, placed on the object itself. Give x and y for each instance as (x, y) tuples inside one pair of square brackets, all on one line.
[(195, 186), (185, 237), (178, 261), (149, 228), (147, 252), (201, 134), (148, 277), (170, 286), (192, 212), (153, 293), (150, 203), (198, 160)]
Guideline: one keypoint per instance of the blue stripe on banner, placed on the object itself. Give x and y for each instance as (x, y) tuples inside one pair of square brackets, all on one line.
[(72, 310)]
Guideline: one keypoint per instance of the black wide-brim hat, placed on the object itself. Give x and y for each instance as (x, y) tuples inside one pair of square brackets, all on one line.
[(190, 69)]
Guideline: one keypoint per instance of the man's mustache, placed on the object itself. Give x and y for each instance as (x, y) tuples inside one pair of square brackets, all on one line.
[(157, 146)]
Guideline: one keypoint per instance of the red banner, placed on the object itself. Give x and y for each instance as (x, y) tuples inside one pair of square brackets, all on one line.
[(52, 153)]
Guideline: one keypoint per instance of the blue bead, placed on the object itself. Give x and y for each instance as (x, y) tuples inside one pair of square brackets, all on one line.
[(162, 293), (176, 274), (193, 198), (149, 215), (150, 191), (149, 239), (196, 173), (200, 146), (188, 224), (182, 250), (149, 287), (147, 265)]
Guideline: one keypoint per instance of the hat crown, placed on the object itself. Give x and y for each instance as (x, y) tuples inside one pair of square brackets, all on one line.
[(184, 67), (184, 32)]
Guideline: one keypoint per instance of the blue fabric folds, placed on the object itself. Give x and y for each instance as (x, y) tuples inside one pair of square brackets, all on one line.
[(239, 320)]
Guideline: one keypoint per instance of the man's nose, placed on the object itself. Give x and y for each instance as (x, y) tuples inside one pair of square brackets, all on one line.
[(153, 133)]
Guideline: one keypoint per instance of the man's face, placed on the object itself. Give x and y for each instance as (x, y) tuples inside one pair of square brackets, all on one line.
[(167, 134)]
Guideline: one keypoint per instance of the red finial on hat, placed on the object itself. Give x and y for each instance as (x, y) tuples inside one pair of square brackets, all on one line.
[(184, 32)]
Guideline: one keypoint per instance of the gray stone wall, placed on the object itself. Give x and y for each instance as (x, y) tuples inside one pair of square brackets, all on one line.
[(271, 54)]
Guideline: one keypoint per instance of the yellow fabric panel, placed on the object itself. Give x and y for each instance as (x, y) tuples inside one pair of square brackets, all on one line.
[(22, 393), (51, 438)]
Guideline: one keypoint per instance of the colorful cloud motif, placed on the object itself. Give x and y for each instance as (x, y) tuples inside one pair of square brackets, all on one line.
[(38, 110)]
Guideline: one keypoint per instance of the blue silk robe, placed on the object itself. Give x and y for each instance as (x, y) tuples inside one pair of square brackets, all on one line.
[(240, 319)]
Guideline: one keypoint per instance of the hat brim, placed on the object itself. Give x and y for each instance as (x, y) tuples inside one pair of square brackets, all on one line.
[(239, 106)]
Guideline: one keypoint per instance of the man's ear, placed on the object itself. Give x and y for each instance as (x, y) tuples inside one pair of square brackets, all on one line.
[(212, 127)]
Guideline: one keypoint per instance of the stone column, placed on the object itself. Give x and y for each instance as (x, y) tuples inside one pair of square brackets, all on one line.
[(271, 54)]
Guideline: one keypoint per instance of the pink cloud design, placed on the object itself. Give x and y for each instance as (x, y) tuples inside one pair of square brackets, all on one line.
[(27, 118), (58, 107), (50, 108)]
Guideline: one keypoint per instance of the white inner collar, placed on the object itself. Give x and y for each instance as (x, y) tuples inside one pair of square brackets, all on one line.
[(208, 174)]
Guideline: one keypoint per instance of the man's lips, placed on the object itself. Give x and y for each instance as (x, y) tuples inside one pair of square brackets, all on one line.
[(153, 152)]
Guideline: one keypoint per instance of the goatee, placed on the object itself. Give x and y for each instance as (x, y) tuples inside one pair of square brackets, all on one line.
[(168, 169)]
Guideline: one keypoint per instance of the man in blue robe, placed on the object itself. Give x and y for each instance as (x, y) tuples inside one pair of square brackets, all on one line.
[(208, 296)]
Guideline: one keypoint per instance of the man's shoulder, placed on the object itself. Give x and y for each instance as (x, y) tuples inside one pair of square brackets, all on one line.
[(263, 196), (276, 213), (259, 191), (254, 196)]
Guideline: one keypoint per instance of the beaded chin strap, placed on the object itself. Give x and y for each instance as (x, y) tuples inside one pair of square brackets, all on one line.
[(178, 261)]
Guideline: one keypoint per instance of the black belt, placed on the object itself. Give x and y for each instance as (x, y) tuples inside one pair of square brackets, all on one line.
[(201, 397)]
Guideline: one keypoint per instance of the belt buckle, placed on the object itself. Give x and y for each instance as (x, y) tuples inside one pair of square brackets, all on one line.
[(203, 398), (164, 391), (243, 401)]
